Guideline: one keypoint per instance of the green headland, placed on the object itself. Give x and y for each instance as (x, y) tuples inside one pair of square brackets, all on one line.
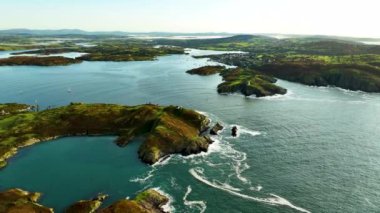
[(167, 130)]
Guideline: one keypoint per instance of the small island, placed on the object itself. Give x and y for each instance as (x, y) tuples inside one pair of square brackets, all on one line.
[(18, 200), (103, 52), (249, 82), (38, 61), (245, 81), (206, 70), (167, 130)]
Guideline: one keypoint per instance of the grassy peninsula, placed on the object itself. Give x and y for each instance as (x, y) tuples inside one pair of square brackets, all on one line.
[(245, 81), (354, 72), (318, 61), (168, 130)]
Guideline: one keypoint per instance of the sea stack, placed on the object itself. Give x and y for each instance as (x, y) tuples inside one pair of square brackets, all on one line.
[(234, 131), (214, 130)]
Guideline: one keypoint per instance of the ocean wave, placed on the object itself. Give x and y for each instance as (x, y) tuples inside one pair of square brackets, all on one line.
[(150, 174), (197, 173), (163, 161), (288, 95), (143, 179), (168, 207), (256, 188), (214, 147), (201, 205)]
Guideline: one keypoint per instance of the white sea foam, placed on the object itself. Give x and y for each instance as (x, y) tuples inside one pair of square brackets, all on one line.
[(162, 161), (239, 170), (274, 200), (228, 186), (168, 207), (201, 205), (173, 183), (214, 147), (257, 188), (285, 96), (142, 180), (202, 113), (242, 130), (211, 164), (150, 174)]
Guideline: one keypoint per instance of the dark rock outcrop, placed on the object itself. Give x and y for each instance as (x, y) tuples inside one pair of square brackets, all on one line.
[(149, 201), (215, 129), (87, 206), (234, 131), (17, 200)]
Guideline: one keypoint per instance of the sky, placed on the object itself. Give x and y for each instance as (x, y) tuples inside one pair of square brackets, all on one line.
[(322, 17)]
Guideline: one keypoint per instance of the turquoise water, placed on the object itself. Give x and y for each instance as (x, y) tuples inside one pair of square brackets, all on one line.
[(314, 149), (50, 168)]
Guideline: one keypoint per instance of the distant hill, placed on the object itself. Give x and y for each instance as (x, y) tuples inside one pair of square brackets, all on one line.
[(56, 32), (114, 33)]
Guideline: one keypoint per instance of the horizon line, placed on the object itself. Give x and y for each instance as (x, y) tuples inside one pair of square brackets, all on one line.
[(187, 32)]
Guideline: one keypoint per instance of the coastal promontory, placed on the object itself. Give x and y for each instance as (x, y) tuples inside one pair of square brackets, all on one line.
[(166, 129)]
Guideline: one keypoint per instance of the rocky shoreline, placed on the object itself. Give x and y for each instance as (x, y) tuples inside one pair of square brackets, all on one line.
[(18, 200)]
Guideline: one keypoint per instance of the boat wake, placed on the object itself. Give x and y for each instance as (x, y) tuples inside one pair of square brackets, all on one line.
[(273, 200)]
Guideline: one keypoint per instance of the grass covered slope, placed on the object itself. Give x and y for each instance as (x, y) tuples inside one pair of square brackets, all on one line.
[(317, 45), (358, 72), (354, 72), (311, 60), (248, 82), (169, 130), (127, 53), (13, 108)]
